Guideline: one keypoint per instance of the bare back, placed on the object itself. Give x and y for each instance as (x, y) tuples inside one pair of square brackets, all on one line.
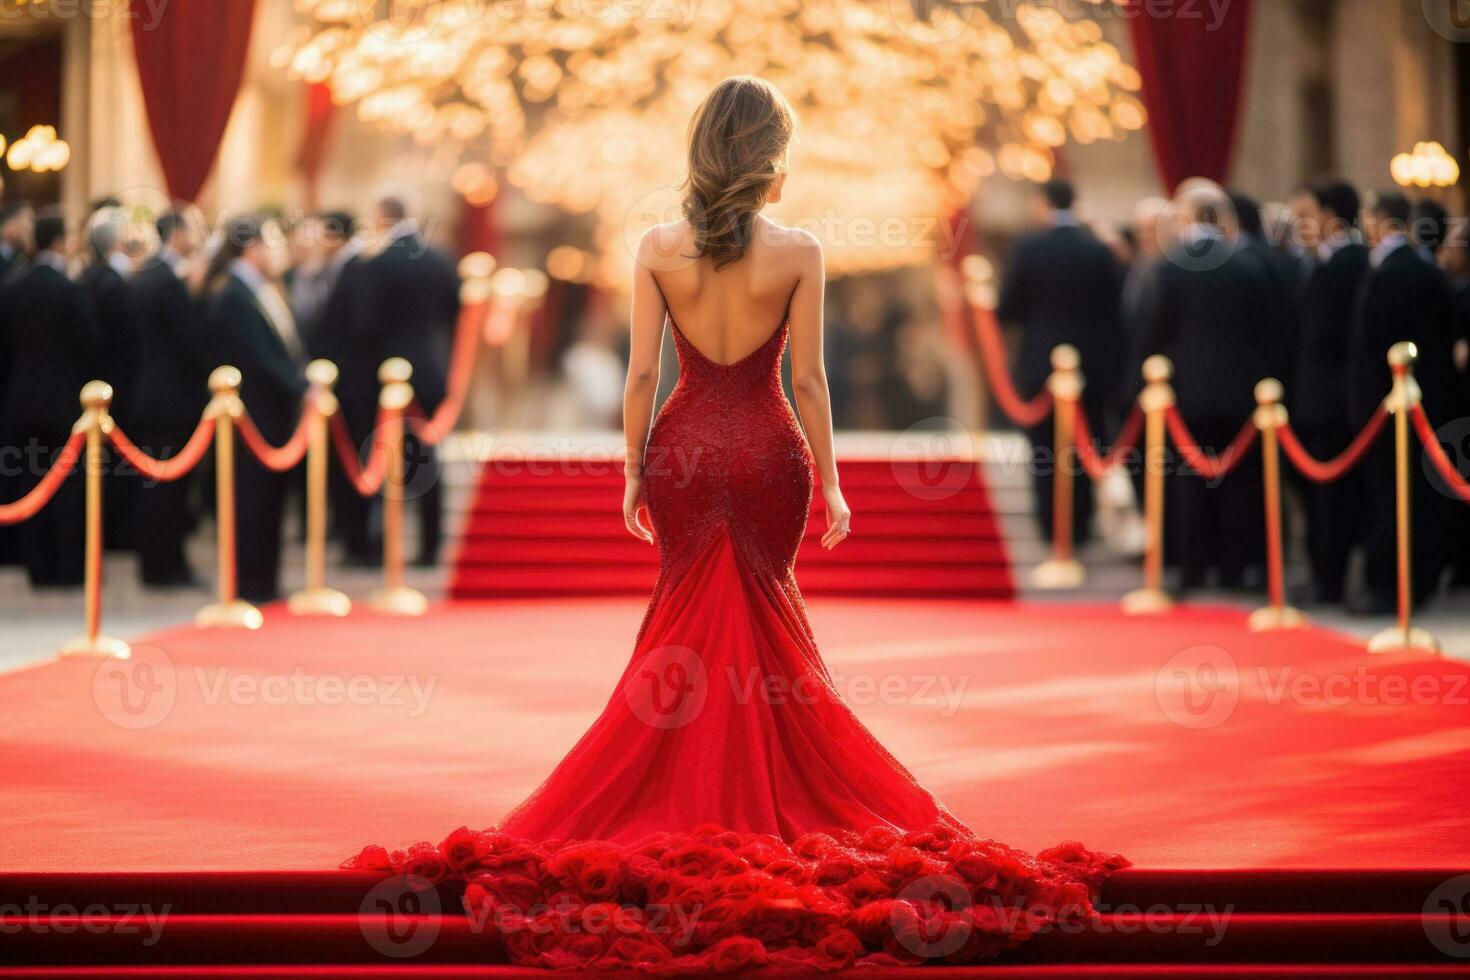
[(732, 312)]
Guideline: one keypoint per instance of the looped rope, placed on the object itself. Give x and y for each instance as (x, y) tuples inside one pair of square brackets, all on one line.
[(993, 354), (432, 429), (279, 459), (1329, 471), (172, 468), (1446, 467), (1097, 465), (366, 479), (1208, 466), (40, 495)]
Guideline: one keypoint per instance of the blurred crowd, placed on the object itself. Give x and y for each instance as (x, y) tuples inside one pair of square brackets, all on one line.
[(152, 309), (1312, 293)]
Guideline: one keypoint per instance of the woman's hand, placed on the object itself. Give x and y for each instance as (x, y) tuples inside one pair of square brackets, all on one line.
[(839, 518), (632, 501)]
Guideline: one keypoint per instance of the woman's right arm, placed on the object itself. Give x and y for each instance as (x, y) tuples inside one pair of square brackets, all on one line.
[(809, 381), (644, 348)]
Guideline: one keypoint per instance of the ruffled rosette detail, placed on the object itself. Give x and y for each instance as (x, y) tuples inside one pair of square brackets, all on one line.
[(717, 901)]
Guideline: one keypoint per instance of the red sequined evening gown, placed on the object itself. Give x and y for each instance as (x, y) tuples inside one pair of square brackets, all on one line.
[(725, 770)]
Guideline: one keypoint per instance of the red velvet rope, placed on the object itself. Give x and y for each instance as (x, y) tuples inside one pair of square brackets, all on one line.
[(1208, 466), (365, 479), (993, 354), (40, 495), (1336, 468), (1097, 465), (177, 465), (1446, 467), (432, 430), (277, 458)]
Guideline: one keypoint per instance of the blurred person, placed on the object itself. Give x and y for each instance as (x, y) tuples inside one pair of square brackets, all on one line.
[(409, 307), (174, 361), (17, 231), (1283, 272), (1326, 213), (48, 349), (312, 284), (1211, 313), (1428, 227), (1403, 298), (1454, 259), (105, 279), (249, 319), (1063, 287)]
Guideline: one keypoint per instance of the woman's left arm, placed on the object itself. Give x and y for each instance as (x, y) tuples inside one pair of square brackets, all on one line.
[(645, 347)]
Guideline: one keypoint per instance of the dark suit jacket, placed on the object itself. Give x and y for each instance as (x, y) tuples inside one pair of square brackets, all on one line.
[(174, 356), (1212, 316), (48, 349), (272, 382), (1318, 397), (1063, 287), (408, 307), (107, 294), (339, 336), (1284, 341), (1405, 298)]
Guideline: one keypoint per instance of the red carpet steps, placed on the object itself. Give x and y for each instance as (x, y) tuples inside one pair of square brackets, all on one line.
[(920, 529), (1189, 924)]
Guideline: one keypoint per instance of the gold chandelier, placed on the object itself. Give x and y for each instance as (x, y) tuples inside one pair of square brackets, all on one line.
[(584, 104)]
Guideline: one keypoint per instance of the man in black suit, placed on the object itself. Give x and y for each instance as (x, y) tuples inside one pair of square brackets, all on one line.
[(1283, 273), (174, 361), (17, 226), (1328, 210), (335, 334), (249, 319), (1212, 315), (408, 307), (1403, 297), (48, 344), (1063, 286), (105, 280)]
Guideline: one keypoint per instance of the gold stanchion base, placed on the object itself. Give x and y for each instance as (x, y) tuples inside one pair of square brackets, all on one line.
[(1411, 640), (229, 615), (319, 602), (102, 646), (1058, 573), (1269, 618), (1147, 602), (400, 601)]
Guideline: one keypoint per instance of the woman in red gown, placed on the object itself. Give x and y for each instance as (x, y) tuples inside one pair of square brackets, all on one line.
[(726, 778)]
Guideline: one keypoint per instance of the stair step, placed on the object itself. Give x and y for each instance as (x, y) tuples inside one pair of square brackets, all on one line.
[(625, 550), (608, 522)]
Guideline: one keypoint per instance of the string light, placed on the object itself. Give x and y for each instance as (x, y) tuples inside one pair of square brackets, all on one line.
[(585, 106)]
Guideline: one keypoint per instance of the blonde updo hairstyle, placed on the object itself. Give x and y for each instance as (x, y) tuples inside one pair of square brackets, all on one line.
[(738, 143)]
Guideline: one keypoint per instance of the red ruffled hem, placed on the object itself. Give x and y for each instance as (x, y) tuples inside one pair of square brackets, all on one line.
[(714, 900)]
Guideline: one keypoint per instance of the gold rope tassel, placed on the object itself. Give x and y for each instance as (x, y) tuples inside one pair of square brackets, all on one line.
[(1155, 400), (1271, 416), (1405, 394), (229, 610), (316, 599), (1062, 570), (97, 421), (397, 394)]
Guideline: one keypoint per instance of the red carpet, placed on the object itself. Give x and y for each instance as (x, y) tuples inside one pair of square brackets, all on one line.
[(246, 755), (554, 528)]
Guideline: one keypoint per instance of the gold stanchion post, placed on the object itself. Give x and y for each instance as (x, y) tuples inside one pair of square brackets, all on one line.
[(1062, 570), (1404, 395), (1155, 400), (97, 422), (229, 610), (397, 394), (1271, 416), (316, 599)]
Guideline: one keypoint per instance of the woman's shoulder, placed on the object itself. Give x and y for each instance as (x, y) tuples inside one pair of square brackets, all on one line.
[(786, 238)]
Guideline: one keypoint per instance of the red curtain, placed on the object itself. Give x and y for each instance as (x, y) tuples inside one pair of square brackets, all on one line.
[(1192, 59), (320, 111), (190, 55)]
